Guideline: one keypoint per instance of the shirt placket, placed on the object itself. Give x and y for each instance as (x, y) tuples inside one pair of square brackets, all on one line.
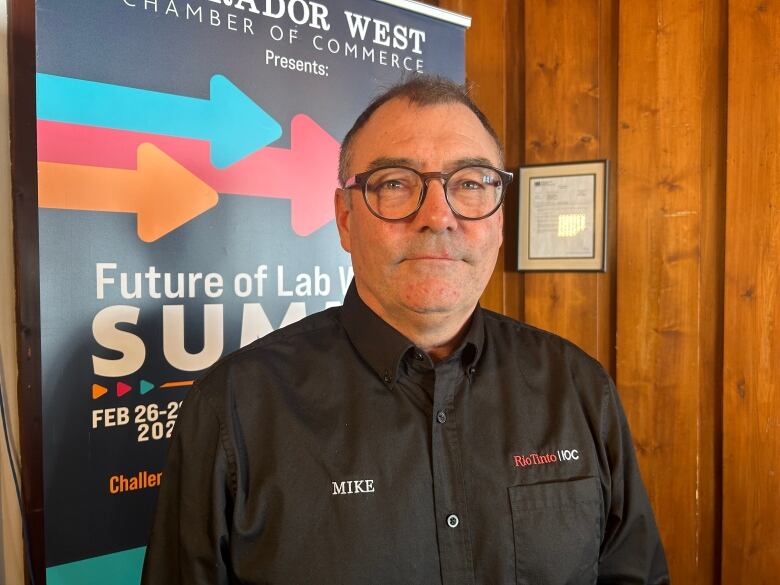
[(452, 518)]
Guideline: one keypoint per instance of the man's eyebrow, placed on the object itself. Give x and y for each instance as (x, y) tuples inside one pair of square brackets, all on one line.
[(477, 161), (390, 161)]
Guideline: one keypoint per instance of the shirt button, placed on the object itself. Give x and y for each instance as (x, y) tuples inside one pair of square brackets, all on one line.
[(387, 377), (453, 521), (418, 356), (472, 371), (441, 416)]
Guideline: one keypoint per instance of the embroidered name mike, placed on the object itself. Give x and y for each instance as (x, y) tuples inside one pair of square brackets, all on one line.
[(355, 486), (537, 459)]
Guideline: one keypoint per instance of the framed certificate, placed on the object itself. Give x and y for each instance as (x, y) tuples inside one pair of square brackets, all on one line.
[(563, 210)]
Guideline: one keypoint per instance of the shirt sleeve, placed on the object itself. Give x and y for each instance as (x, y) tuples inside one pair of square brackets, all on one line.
[(631, 552), (189, 540)]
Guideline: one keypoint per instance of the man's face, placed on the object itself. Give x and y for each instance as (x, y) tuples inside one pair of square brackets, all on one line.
[(434, 262)]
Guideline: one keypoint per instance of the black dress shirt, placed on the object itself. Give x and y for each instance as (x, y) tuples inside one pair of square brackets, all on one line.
[(335, 452)]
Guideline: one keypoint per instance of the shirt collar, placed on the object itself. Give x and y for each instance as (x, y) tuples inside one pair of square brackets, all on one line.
[(383, 347)]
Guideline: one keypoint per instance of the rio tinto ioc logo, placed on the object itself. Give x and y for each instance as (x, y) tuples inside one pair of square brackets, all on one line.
[(542, 459)]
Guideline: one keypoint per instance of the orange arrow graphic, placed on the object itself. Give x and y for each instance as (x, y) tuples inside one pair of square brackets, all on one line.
[(162, 193)]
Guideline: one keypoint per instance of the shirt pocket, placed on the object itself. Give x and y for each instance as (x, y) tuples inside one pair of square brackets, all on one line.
[(557, 529)]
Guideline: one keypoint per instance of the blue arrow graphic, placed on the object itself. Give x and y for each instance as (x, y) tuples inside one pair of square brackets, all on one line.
[(234, 124)]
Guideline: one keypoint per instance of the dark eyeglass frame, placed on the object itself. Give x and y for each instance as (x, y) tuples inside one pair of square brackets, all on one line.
[(361, 180)]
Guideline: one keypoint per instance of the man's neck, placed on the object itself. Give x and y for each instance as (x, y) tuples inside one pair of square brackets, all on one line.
[(436, 333)]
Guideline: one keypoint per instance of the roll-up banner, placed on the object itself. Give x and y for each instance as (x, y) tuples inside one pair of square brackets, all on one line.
[(187, 161)]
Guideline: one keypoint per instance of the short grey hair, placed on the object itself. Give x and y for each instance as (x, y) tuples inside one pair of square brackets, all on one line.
[(423, 90)]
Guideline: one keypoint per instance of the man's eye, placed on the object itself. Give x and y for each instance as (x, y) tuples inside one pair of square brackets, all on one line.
[(392, 184), (469, 185)]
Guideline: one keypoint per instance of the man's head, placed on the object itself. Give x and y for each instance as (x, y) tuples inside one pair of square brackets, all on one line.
[(425, 271), (421, 90)]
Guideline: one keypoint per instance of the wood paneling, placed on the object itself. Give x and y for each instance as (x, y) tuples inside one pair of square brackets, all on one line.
[(751, 462), (570, 55), (493, 61), (670, 184), (514, 130)]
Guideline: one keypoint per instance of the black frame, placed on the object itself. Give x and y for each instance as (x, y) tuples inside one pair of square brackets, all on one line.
[(361, 180), (24, 186)]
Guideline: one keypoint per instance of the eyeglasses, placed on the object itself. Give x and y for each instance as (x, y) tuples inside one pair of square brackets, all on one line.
[(394, 193)]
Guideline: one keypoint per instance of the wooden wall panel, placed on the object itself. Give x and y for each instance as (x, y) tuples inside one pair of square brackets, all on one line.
[(514, 286), (670, 190), (570, 55), (751, 463), (493, 62)]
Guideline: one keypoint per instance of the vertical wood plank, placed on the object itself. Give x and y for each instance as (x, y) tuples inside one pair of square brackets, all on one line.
[(514, 290), (751, 449), (714, 105), (569, 115), (670, 185), (11, 549), (606, 285)]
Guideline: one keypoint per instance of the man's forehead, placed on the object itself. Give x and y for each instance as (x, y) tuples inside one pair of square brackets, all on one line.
[(399, 126), (404, 108)]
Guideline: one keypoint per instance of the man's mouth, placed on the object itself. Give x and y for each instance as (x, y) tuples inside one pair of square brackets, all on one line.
[(430, 257)]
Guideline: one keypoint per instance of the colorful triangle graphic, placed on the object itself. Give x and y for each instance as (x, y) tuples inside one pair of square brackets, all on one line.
[(98, 391), (122, 388), (146, 386)]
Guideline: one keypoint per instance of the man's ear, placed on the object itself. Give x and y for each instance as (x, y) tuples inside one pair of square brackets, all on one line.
[(343, 208)]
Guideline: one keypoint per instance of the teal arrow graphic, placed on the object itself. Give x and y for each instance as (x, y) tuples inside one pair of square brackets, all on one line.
[(234, 124)]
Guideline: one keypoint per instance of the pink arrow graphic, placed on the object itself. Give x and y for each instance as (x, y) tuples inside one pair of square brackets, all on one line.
[(305, 174)]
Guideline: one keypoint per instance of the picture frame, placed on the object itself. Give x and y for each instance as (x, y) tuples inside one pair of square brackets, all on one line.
[(562, 217)]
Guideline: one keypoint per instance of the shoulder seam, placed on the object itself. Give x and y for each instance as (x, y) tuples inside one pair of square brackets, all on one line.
[(277, 335), (520, 326)]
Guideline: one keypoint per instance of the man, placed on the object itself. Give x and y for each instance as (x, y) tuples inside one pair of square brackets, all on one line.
[(409, 437)]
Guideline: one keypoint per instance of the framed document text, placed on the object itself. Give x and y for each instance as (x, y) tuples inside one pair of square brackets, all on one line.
[(563, 210)]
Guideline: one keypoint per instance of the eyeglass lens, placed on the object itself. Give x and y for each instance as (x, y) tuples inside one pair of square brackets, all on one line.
[(472, 192)]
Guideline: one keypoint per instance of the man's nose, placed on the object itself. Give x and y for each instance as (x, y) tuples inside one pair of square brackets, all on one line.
[(435, 214)]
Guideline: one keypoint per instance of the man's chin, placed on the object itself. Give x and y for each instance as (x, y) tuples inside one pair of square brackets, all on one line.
[(431, 309), (436, 300)]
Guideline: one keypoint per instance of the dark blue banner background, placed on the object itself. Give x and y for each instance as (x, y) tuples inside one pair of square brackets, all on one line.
[(128, 43)]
